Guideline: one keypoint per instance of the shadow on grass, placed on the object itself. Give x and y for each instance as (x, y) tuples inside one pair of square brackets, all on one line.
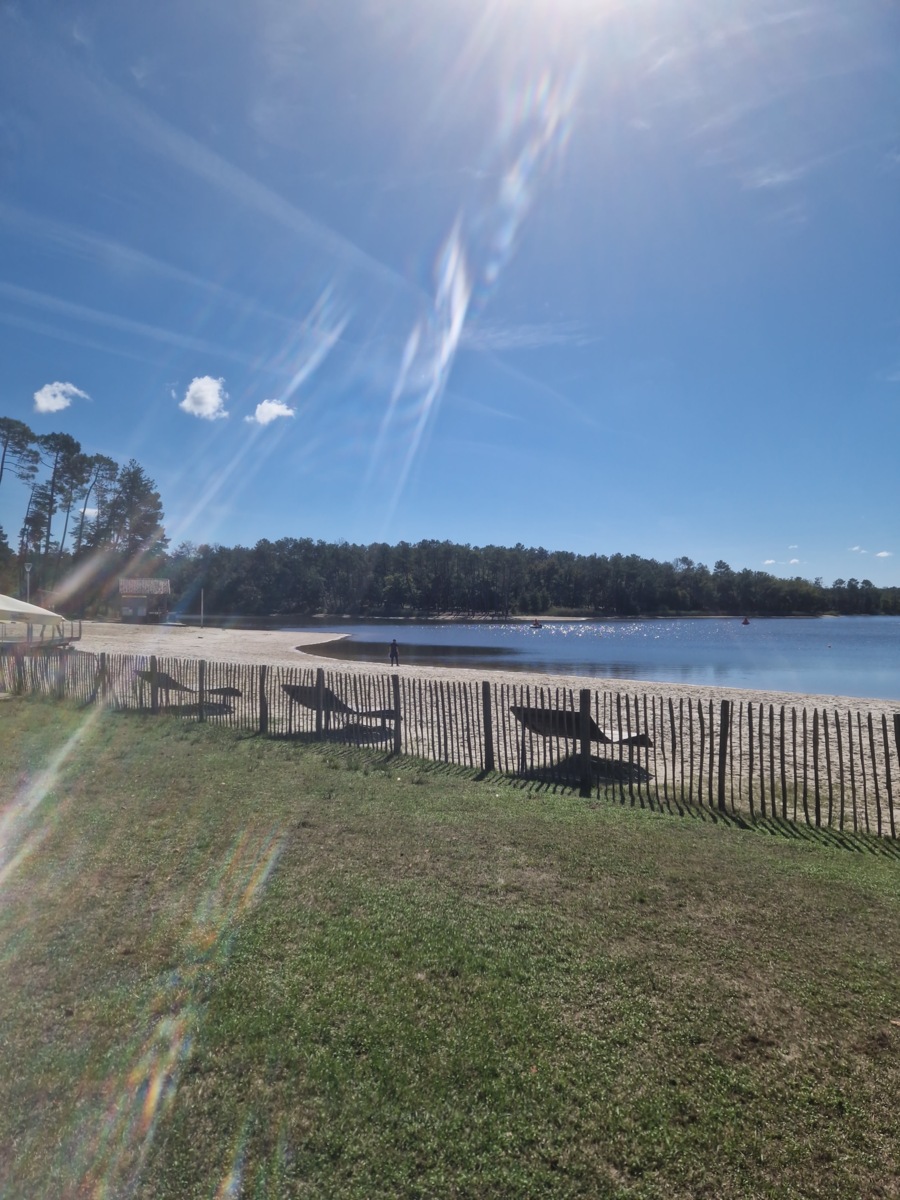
[(611, 778), (614, 782)]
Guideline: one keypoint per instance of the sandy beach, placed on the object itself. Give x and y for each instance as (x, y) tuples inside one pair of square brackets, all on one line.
[(793, 747), (296, 648)]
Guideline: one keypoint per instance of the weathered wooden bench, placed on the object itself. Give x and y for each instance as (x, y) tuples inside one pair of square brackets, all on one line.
[(566, 723), (308, 696)]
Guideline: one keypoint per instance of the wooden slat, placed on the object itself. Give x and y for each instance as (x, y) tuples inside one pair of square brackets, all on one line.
[(817, 798), (875, 786), (862, 770), (887, 772), (773, 788), (805, 785)]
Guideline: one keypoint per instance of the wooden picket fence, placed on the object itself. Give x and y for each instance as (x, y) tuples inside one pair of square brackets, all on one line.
[(821, 767)]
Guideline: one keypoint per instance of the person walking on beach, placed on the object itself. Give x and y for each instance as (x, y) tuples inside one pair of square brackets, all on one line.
[(395, 654)]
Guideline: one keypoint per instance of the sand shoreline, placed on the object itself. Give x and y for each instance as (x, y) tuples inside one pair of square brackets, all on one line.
[(296, 649)]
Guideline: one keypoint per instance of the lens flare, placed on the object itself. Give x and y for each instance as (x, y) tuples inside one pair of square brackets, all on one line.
[(16, 816), (111, 1125), (533, 130)]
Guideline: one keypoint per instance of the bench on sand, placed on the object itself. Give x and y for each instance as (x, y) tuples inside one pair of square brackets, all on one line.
[(566, 723), (308, 696)]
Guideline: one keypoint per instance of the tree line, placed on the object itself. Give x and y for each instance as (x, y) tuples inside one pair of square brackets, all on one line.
[(299, 576), (87, 520)]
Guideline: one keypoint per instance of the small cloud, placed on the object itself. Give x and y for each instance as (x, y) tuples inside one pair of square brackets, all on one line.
[(768, 562), (772, 177), (666, 59), (140, 72), (205, 398), (80, 36), (269, 411), (885, 554), (54, 397), (858, 550), (794, 547), (793, 562), (789, 214)]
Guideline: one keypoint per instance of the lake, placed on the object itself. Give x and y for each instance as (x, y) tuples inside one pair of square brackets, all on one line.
[(841, 656)]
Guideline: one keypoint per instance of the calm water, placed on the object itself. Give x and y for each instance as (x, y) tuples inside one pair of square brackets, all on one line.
[(841, 656)]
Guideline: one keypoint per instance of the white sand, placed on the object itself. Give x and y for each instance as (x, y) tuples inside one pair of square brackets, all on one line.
[(281, 648)]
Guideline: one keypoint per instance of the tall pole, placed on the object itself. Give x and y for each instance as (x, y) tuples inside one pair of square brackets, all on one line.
[(201, 608), (28, 582)]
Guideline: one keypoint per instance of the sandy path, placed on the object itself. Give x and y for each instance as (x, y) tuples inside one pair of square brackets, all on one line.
[(274, 648)]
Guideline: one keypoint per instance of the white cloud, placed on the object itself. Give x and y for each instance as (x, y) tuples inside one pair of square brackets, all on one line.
[(768, 562), (54, 397), (858, 550), (885, 554), (794, 547), (269, 411), (793, 562), (772, 177), (205, 398)]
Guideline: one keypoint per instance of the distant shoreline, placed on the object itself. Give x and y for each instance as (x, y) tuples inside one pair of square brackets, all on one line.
[(294, 621)]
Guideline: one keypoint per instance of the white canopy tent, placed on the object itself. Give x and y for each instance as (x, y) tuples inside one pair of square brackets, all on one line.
[(29, 614)]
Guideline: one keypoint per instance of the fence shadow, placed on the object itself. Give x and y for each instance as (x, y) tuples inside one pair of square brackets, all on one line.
[(745, 765)]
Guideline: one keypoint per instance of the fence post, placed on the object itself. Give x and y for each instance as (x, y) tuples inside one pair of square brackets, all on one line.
[(724, 731), (395, 684), (887, 774), (201, 689), (61, 675), (488, 726), (263, 701), (584, 724), (320, 699), (20, 673), (154, 686), (104, 678)]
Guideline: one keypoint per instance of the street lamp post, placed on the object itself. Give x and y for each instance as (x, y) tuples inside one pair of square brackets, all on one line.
[(28, 582)]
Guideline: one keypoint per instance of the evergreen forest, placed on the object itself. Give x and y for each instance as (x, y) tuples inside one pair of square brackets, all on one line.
[(88, 520)]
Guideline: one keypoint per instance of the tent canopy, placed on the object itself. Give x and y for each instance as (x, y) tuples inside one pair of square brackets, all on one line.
[(30, 614)]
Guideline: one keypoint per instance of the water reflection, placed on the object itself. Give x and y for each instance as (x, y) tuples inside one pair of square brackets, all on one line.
[(421, 654), (843, 656)]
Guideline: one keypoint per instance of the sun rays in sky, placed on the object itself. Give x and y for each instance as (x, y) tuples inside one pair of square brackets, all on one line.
[(439, 251)]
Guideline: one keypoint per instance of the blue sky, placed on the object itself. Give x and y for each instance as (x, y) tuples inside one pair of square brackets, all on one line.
[(604, 277)]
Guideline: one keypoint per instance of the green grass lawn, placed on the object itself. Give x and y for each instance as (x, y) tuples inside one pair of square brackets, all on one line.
[(233, 966)]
